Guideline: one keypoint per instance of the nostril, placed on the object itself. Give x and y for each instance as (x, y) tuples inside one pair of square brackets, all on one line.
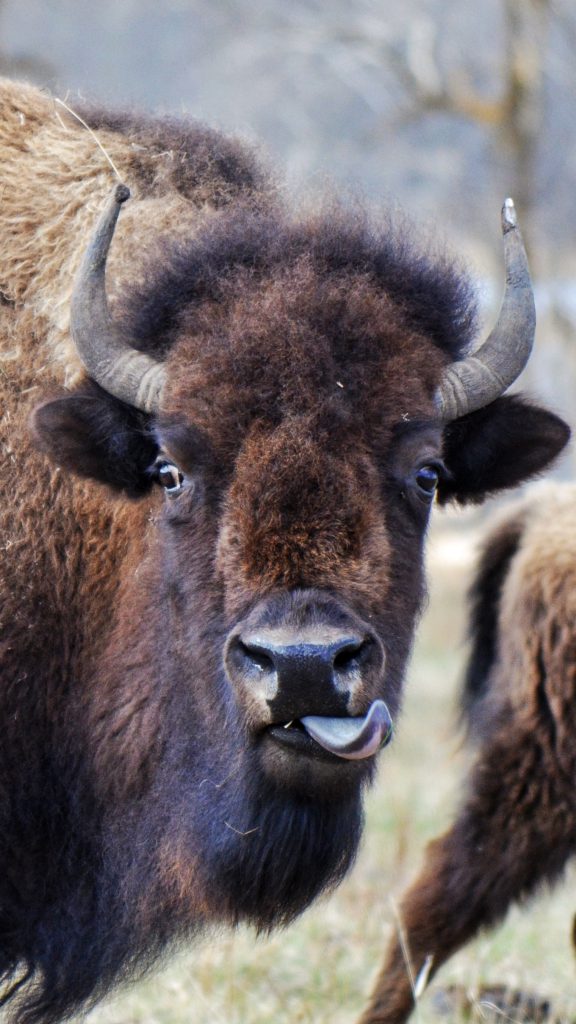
[(353, 655), (251, 667), (255, 656), (348, 656)]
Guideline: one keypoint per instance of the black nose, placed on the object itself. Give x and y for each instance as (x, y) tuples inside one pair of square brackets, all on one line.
[(322, 673)]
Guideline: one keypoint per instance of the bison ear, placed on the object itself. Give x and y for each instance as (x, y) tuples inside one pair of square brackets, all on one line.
[(499, 446), (95, 435)]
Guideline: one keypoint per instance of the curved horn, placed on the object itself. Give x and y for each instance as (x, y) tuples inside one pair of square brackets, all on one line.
[(106, 353), (480, 378)]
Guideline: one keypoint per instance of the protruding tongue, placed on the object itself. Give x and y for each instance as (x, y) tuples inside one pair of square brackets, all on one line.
[(352, 738)]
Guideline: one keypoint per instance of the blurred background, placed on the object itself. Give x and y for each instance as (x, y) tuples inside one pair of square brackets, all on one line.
[(445, 107)]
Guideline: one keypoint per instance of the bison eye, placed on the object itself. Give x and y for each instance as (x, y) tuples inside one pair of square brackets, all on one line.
[(427, 478), (170, 477)]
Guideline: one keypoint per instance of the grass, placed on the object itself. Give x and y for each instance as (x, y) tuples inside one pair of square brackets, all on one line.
[(321, 969)]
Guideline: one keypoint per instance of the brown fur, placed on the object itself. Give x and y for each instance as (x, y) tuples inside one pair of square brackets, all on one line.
[(302, 354), (517, 826)]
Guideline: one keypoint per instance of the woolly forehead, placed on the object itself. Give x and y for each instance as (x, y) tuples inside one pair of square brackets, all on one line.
[(264, 320), (296, 346)]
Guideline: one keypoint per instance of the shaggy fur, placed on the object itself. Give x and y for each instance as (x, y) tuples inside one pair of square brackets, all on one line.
[(517, 825), (142, 796)]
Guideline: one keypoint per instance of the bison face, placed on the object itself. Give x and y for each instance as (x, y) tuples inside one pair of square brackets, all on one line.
[(313, 572), (306, 413), (263, 593), (284, 578), (324, 592)]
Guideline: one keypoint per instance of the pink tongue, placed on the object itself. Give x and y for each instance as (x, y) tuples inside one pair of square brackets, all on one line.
[(352, 738)]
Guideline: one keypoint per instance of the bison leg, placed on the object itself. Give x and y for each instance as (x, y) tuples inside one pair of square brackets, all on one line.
[(515, 830)]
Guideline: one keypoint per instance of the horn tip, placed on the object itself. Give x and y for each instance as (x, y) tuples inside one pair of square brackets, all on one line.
[(509, 217), (122, 193)]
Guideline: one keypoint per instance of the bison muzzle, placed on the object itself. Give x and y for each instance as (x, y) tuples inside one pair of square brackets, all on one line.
[(308, 675)]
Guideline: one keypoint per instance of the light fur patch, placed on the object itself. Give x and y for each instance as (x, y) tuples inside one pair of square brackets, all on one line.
[(54, 181)]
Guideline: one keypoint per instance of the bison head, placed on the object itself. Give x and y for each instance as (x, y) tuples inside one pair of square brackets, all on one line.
[(311, 401)]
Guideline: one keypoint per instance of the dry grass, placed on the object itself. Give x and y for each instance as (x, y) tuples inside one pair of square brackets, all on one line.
[(321, 969)]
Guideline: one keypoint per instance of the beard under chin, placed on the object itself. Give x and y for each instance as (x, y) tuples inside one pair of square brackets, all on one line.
[(284, 850)]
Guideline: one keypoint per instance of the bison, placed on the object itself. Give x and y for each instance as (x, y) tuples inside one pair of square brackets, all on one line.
[(517, 825), (219, 466)]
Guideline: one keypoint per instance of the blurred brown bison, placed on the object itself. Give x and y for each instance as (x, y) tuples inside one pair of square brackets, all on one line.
[(212, 534), (517, 826)]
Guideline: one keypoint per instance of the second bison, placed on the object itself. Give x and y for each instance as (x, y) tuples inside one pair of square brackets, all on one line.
[(516, 828)]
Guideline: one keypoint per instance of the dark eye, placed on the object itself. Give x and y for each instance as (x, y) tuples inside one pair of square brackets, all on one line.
[(170, 477), (427, 478)]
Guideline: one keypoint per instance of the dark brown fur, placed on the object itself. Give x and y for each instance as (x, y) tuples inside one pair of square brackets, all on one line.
[(517, 825), (142, 795)]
